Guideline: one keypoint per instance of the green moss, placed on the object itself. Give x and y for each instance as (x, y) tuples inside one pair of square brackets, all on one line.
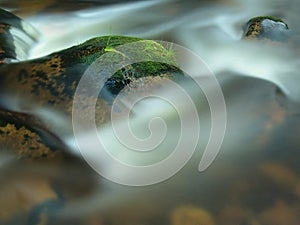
[(112, 41), (94, 48), (159, 60)]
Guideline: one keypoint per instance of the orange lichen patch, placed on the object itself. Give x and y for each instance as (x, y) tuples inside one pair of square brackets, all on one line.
[(40, 82), (40, 79), (51, 67), (281, 176), (231, 215), (280, 214), (191, 215), (25, 144), (253, 30)]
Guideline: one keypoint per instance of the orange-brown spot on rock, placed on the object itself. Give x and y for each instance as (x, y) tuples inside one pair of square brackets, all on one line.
[(282, 177), (280, 214), (276, 116), (25, 144), (235, 215), (191, 215)]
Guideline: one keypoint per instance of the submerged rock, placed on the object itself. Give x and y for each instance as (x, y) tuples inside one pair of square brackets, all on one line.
[(36, 100), (191, 215)]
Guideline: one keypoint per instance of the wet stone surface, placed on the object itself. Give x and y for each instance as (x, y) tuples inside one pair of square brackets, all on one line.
[(40, 176)]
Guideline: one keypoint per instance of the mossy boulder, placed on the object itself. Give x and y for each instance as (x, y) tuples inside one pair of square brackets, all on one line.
[(267, 27)]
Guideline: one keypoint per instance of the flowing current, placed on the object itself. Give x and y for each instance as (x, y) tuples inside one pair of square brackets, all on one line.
[(255, 178)]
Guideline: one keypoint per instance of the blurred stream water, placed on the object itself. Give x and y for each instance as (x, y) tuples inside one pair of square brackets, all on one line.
[(260, 83)]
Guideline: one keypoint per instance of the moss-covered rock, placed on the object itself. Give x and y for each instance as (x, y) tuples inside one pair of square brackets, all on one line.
[(52, 80), (267, 27)]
